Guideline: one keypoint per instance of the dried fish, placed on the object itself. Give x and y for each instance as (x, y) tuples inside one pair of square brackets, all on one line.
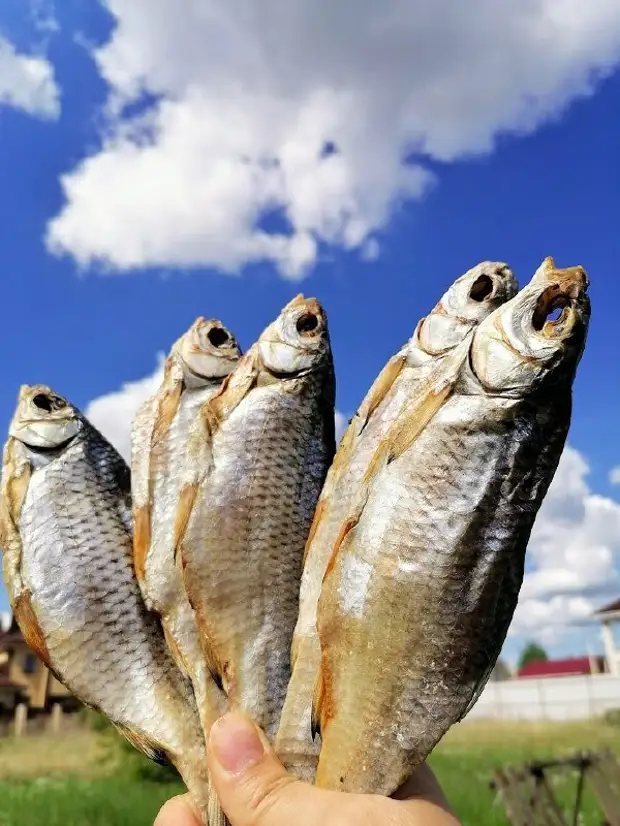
[(257, 461), (471, 298), (198, 364), (66, 534), (425, 574)]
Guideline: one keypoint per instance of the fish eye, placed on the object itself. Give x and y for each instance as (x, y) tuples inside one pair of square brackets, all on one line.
[(218, 336), (481, 288), (307, 323)]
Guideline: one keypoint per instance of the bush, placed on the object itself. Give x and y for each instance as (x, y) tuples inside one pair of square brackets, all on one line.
[(612, 717)]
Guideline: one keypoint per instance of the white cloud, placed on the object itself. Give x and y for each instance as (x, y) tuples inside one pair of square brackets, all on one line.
[(27, 82), (113, 412), (548, 621), (574, 555), (249, 100), (614, 475), (342, 422)]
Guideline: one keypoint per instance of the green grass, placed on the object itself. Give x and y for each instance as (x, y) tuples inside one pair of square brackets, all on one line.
[(110, 801), (465, 760), (116, 791)]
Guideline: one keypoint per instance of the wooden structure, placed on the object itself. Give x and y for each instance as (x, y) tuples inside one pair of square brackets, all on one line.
[(24, 679), (529, 799)]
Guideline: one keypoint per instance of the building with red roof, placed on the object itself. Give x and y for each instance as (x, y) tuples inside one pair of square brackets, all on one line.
[(569, 667), (25, 679)]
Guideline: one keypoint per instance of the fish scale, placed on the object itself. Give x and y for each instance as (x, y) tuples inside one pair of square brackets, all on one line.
[(70, 561), (195, 369), (442, 521), (267, 524), (245, 533), (454, 317)]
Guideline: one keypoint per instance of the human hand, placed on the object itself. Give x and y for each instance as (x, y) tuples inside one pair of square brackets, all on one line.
[(255, 790)]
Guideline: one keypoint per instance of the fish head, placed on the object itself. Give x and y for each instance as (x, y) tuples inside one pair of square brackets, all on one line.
[(44, 420), (208, 350), (537, 337), (297, 341), (469, 300)]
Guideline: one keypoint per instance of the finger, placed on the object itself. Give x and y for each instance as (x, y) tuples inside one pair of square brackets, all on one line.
[(178, 811), (424, 799), (251, 783), (422, 783)]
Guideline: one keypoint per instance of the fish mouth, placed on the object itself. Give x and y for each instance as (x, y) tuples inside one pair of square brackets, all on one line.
[(482, 288), (560, 305), (211, 336), (546, 319), (289, 374), (562, 300), (496, 281), (307, 323), (50, 402), (208, 351), (218, 336)]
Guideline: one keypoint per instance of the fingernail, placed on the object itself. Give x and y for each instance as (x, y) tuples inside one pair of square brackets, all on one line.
[(235, 743)]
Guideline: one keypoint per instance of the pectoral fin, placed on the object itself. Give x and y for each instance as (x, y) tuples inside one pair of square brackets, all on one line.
[(16, 475), (234, 389), (168, 405), (381, 387), (175, 651), (145, 744), (27, 621), (187, 497), (212, 662), (415, 416), (408, 427), (141, 540), (317, 694), (347, 526), (323, 700)]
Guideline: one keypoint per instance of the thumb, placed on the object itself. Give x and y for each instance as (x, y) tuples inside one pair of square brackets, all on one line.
[(253, 786)]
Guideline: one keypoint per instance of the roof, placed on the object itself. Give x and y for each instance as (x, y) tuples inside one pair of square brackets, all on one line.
[(610, 608), (559, 668), (10, 638)]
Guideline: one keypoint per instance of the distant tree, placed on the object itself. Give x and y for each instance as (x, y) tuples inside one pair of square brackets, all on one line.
[(532, 653)]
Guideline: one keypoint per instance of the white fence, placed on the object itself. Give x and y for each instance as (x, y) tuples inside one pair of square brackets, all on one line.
[(554, 698)]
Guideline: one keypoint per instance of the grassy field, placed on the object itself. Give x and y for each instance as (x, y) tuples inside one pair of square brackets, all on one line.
[(465, 760), (79, 781)]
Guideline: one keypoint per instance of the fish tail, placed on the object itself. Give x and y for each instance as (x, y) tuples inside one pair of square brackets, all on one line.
[(214, 810)]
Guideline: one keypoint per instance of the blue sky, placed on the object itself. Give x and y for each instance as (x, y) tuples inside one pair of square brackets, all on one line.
[(532, 172)]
